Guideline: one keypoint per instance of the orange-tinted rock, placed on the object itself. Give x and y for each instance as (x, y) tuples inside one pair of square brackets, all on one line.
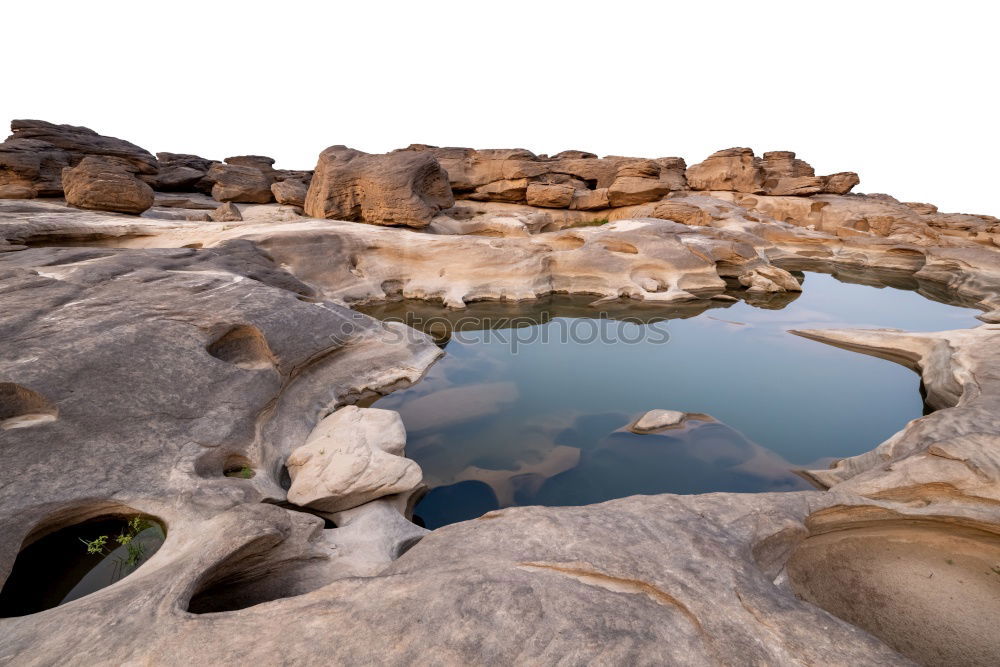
[(400, 188), (240, 183), (106, 184)]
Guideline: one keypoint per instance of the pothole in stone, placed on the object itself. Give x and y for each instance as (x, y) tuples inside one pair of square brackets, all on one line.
[(21, 407), (528, 406), (254, 574), (239, 467), (928, 589), (78, 560), (243, 346)]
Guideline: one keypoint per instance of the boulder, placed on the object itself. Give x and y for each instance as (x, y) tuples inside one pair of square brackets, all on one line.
[(515, 190), (106, 184), (769, 279), (240, 183), (400, 188), (550, 195), (35, 154), (261, 162), (840, 183), (654, 421), (227, 212), (590, 200), (733, 169), (291, 192), (637, 182), (352, 457), (181, 172)]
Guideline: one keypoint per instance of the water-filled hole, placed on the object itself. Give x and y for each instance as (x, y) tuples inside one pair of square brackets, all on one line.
[(77, 560)]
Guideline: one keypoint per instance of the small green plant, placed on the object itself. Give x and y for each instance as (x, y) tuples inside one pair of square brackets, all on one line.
[(246, 472), (135, 550)]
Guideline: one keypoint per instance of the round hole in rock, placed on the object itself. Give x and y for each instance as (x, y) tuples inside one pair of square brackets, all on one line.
[(243, 346), (77, 560), (21, 407), (238, 467), (931, 590)]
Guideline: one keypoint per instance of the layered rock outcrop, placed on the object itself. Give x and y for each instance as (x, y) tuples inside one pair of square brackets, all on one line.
[(401, 188), (33, 157), (777, 173)]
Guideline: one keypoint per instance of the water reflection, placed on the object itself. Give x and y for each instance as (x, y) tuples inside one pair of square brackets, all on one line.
[(537, 416)]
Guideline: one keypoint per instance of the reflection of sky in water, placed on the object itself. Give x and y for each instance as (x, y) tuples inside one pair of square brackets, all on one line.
[(539, 426)]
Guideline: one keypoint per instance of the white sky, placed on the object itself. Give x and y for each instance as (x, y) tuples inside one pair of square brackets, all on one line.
[(904, 93)]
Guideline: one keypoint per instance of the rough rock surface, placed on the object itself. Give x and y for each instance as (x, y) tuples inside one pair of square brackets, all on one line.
[(244, 357), (34, 155), (227, 212), (401, 188), (182, 172), (291, 191), (661, 420), (106, 185), (777, 173), (240, 183), (352, 457)]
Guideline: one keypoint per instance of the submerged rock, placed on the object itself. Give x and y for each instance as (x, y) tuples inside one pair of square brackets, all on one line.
[(661, 420)]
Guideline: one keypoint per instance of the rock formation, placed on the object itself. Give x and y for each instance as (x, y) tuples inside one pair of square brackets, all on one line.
[(33, 157), (182, 172), (352, 457), (106, 184), (401, 188), (140, 370)]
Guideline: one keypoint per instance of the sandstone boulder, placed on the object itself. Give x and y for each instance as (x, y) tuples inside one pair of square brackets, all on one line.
[(550, 195), (292, 192), (240, 183), (35, 154), (400, 188), (106, 184), (840, 183), (769, 279), (590, 200), (733, 169), (352, 457), (181, 172), (261, 162), (637, 182), (227, 212)]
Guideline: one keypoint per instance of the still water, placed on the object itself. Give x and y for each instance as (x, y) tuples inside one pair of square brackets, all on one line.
[(529, 404)]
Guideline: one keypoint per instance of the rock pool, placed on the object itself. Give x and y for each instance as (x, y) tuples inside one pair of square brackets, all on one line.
[(530, 403)]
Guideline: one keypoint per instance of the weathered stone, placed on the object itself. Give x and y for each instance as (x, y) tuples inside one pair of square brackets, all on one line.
[(290, 191), (590, 200), (505, 191), (400, 188), (261, 162), (227, 212), (549, 195), (840, 183), (732, 169), (180, 172), (36, 153), (239, 183), (352, 457), (106, 185), (637, 182)]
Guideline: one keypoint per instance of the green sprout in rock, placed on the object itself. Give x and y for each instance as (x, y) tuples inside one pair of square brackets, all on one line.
[(134, 549)]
